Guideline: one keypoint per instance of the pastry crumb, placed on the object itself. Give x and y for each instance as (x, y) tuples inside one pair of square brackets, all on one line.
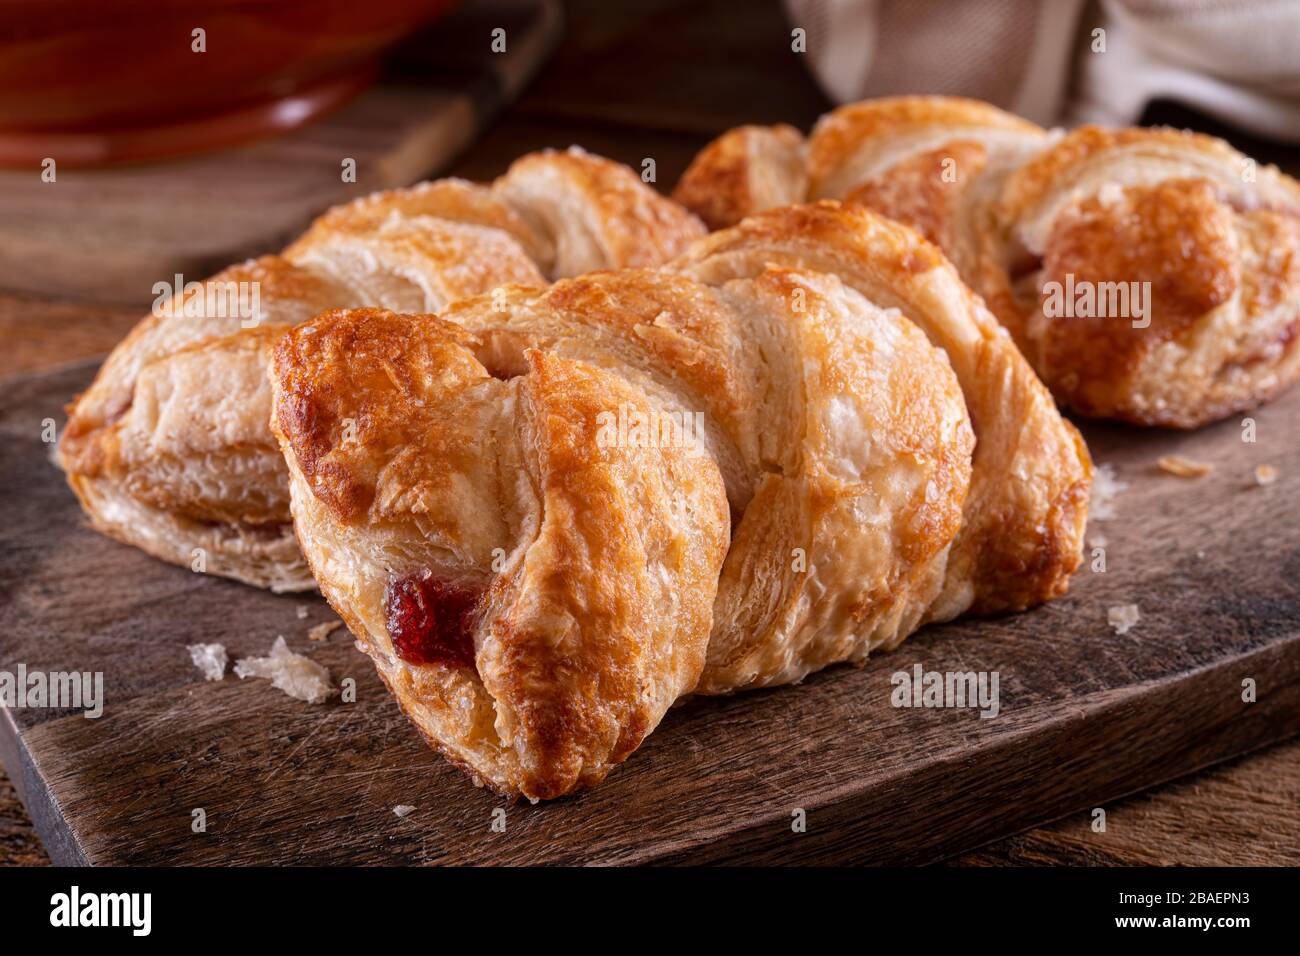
[(210, 659), (322, 631), (1122, 617), (1265, 474), (1105, 488), (298, 676), (1184, 467), (302, 612), (403, 810)]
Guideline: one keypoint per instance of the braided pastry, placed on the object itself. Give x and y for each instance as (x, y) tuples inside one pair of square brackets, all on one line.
[(1151, 276), (169, 449), (539, 565)]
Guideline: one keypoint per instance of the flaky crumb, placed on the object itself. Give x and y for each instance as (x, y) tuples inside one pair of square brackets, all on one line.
[(403, 810), (298, 676), (302, 612), (1122, 617), (1105, 487), (1265, 474), (1184, 467), (210, 659), (322, 631)]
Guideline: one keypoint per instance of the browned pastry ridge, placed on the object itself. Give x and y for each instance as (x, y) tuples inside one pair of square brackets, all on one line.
[(548, 513), (1149, 275), (169, 449)]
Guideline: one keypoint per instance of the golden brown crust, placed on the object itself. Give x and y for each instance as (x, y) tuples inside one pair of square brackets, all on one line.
[(337, 409), (744, 171), (753, 168), (168, 450), (923, 191), (1175, 232), (825, 406), (1066, 165), (935, 163), (453, 200), (1154, 275), (174, 452), (848, 541), (598, 214), (849, 423), (1017, 212), (860, 140), (572, 665), (1021, 535)]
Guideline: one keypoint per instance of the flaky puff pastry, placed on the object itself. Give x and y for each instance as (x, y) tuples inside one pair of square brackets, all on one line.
[(838, 432), (169, 449), (534, 596), (1180, 257), (1022, 522), (1205, 239), (753, 168)]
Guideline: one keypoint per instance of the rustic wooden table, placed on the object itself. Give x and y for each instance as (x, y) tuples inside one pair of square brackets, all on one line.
[(657, 79)]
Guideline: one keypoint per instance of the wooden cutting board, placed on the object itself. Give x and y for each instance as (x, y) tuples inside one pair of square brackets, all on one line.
[(107, 235), (1087, 715)]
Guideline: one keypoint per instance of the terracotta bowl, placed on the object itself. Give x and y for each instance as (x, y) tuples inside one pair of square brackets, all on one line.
[(102, 81)]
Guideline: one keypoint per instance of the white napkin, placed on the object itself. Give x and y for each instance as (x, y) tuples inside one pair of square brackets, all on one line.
[(1063, 61)]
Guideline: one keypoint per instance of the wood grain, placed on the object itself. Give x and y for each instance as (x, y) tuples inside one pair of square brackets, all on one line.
[(1243, 813), (18, 843), (1087, 715)]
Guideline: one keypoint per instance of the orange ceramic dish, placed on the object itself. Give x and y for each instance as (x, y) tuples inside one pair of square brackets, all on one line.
[(89, 82)]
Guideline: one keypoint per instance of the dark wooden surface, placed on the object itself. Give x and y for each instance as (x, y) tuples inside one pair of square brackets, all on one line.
[(670, 74), (1087, 715)]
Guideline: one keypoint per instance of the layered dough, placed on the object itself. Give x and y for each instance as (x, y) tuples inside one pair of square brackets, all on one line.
[(867, 452), (1183, 223), (1190, 251), (169, 449), (1022, 524), (534, 600), (549, 511)]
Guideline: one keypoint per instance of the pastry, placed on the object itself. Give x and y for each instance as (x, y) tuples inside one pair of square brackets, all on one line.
[(169, 448), (535, 600), (1022, 522), (1190, 254), (828, 408), (1151, 276)]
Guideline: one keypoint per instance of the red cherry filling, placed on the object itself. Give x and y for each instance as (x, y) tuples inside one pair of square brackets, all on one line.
[(432, 621)]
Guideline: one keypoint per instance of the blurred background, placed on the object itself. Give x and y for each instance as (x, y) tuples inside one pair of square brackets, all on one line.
[(184, 134), (142, 138)]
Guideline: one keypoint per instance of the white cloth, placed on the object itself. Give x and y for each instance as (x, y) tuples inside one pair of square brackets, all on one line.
[(1236, 60)]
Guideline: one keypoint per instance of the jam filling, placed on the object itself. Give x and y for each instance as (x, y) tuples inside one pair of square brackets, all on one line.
[(432, 621)]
